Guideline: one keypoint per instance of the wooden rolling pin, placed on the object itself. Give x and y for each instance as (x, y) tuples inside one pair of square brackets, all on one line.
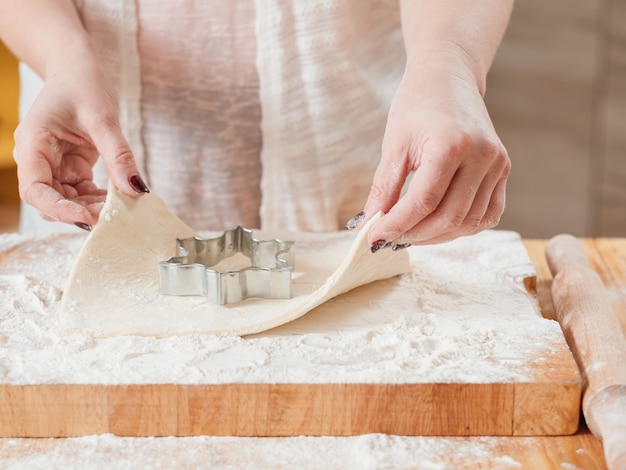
[(595, 337)]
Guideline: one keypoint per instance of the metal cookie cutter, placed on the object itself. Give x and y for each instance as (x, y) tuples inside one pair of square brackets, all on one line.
[(189, 273)]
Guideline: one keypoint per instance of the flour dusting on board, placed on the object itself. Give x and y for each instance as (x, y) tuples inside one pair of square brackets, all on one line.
[(470, 321)]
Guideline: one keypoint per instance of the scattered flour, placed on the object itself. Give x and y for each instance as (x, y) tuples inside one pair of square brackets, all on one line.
[(470, 320), (371, 451), (461, 315)]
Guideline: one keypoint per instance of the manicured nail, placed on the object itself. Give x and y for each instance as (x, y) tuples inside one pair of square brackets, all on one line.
[(355, 221), (138, 185), (83, 226), (378, 244), (400, 246)]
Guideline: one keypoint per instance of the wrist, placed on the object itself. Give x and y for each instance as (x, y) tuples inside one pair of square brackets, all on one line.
[(75, 51), (445, 61)]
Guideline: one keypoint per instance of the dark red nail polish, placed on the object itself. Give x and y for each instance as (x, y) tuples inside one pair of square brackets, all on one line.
[(138, 185), (400, 246), (83, 226), (355, 221), (377, 245)]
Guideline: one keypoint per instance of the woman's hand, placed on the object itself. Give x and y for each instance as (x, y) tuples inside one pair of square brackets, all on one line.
[(73, 121), (439, 130)]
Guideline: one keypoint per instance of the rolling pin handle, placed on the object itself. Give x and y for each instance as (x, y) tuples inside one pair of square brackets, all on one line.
[(594, 335), (608, 422), (565, 251)]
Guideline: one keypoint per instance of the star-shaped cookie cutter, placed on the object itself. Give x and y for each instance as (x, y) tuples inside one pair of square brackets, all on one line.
[(190, 273)]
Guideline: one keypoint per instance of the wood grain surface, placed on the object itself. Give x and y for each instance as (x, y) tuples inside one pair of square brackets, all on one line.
[(539, 394), (581, 450), (492, 409), (593, 333)]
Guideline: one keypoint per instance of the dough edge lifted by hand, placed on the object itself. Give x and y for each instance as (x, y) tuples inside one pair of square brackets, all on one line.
[(113, 288)]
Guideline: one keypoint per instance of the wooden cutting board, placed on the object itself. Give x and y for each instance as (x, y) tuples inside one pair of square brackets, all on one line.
[(538, 395)]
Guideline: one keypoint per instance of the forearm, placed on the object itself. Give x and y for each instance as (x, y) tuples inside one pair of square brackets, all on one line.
[(462, 35), (43, 33)]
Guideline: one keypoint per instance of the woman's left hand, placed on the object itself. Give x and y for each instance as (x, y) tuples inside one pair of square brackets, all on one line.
[(438, 129)]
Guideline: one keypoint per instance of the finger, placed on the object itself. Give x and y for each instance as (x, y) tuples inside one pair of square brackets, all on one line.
[(88, 195), (88, 188), (463, 207), (451, 213), (55, 206), (118, 158), (425, 192), (85, 193), (387, 185), (490, 219), (497, 204), (489, 202), (36, 183), (57, 202)]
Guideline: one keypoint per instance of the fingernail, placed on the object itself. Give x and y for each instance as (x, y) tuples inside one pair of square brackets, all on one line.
[(400, 246), (138, 185), (378, 244), (83, 226), (355, 221)]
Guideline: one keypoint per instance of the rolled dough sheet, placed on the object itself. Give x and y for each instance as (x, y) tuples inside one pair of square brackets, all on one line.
[(114, 286)]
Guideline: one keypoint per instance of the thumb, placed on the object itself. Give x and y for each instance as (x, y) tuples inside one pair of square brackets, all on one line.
[(386, 187), (119, 160)]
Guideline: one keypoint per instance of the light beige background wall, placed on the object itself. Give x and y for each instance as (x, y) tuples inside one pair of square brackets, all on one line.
[(557, 95)]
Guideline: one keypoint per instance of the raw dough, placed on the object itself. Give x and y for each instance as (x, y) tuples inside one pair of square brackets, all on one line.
[(114, 288)]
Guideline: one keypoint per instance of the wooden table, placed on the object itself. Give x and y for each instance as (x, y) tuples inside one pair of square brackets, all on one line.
[(582, 450)]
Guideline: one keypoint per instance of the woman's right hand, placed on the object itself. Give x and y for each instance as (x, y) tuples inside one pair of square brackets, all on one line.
[(73, 121)]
